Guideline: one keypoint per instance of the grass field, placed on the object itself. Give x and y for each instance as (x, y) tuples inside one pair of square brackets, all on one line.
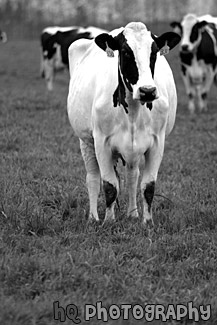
[(49, 253)]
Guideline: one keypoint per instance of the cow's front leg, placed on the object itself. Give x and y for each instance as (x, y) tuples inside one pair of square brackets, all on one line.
[(208, 80), (202, 101), (153, 158), (93, 177), (108, 175), (132, 177), (49, 73), (191, 103), (189, 90)]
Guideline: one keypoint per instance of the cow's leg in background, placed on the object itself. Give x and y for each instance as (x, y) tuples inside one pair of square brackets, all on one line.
[(49, 73), (92, 178), (190, 92), (108, 175), (205, 89), (132, 178), (202, 98), (42, 74), (153, 158)]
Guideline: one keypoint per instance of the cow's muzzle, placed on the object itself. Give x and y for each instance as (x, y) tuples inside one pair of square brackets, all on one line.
[(147, 94)]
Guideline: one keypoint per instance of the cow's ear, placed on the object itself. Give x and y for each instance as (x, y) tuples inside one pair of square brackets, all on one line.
[(167, 41), (177, 27), (107, 43), (202, 24)]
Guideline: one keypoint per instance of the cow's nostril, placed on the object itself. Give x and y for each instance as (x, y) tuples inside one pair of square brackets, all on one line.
[(147, 91), (185, 48)]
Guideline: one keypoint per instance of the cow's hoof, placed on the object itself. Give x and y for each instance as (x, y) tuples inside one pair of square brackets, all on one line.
[(133, 214), (148, 223), (93, 223)]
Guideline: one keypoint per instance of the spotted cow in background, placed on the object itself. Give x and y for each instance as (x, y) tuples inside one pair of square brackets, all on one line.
[(55, 42), (122, 104), (198, 54)]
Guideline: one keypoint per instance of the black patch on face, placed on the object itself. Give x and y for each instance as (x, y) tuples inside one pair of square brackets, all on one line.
[(149, 194), (194, 33), (120, 94), (190, 95), (186, 57), (128, 65), (153, 57), (206, 50), (183, 69), (110, 193), (149, 105), (204, 96)]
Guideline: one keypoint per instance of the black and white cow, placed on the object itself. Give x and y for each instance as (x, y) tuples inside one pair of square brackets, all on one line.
[(121, 104), (3, 37), (55, 42), (198, 54)]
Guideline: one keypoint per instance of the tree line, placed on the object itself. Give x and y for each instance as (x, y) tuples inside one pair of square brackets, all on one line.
[(25, 18)]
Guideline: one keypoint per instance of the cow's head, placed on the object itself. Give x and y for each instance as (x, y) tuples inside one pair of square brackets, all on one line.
[(190, 30), (138, 50)]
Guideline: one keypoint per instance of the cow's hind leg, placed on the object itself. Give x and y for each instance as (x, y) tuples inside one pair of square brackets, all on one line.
[(92, 178)]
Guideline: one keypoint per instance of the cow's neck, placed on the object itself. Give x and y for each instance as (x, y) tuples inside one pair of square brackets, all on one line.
[(134, 107)]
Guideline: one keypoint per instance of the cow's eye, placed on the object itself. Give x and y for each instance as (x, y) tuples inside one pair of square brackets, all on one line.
[(126, 55)]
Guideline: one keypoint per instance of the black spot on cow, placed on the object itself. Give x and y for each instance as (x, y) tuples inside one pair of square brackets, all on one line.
[(149, 194), (196, 30), (153, 57), (120, 94), (47, 42), (110, 193), (149, 106), (186, 59), (194, 33), (64, 39), (128, 65), (204, 96), (206, 48)]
